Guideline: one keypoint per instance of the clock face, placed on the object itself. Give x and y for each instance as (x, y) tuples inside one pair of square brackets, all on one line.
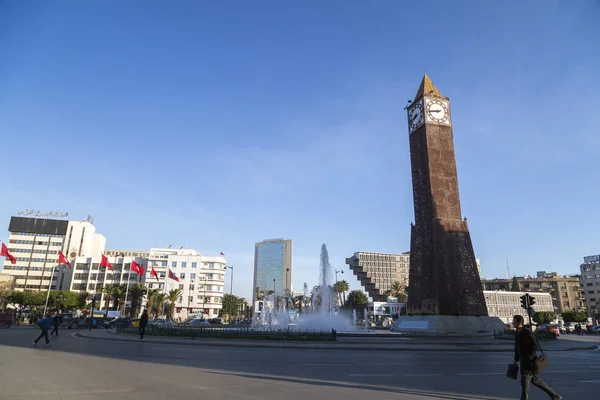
[(437, 111), (415, 116)]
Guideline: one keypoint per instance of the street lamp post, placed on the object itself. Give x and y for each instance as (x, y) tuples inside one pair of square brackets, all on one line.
[(273, 286), (287, 270), (336, 272)]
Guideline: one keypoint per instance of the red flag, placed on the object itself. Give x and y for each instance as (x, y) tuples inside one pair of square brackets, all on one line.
[(154, 274), (137, 268), (105, 263), (172, 276), (5, 253), (62, 259), (222, 253)]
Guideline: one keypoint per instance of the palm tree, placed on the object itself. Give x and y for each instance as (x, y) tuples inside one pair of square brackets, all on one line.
[(158, 299), (118, 294), (173, 296), (136, 292), (399, 291), (108, 291), (339, 288), (150, 294), (299, 302), (259, 293)]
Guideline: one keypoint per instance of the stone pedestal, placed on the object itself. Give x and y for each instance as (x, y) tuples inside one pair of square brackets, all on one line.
[(448, 325)]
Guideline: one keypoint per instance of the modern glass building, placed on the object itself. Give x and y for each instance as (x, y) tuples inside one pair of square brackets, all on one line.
[(272, 267)]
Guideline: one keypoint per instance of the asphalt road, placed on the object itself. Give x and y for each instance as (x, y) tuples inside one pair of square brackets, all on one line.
[(76, 368)]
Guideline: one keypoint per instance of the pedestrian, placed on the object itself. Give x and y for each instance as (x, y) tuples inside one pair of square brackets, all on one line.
[(44, 324), (526, 347), (143, 323), (56, 321)]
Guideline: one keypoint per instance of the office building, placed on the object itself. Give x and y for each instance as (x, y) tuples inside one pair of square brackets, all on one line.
[(590, 282), (272, 267), (35, 243), (201, 280), (566, 291), (505, 305), (377, 272)]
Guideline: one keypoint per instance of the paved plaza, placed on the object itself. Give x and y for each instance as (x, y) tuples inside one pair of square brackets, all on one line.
[(80, 368)]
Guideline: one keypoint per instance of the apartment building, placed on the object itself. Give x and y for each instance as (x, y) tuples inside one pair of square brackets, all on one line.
[(201, 280), (590, 282)]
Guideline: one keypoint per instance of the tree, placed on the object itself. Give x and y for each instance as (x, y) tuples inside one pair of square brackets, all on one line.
[(259, 293), (173, 296), (108, 290), (81, 299), (158, 299), (299, 303), (150, 295), (231, 305), (356, 300), (543, 317), (136, 292), (515, 287), (574, 316), (340, 288)]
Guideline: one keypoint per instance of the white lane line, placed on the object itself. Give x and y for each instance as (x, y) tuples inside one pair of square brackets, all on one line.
[(596, 381), (370, 374), (422, 374), (317, 364), (482, 373)]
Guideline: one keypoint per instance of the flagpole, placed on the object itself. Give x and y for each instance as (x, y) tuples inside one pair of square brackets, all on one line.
[(166, 284), (48, 294), (127, 289)]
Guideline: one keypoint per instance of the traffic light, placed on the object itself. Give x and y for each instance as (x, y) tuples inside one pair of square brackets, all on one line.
[(531, 301), (524, 301)]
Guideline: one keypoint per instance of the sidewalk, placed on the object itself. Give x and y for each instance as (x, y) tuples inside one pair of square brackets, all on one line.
[(401, 344)]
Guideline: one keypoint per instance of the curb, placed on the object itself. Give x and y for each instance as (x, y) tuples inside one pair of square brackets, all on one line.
[(279, 345)]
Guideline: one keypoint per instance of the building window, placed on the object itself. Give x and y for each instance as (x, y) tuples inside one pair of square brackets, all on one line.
[(174, 264), (194, 264), (183, 264), (182, 276), (590, 284), (192, 276), (211, 265), (209, 276), (163, 263), (181, 287)]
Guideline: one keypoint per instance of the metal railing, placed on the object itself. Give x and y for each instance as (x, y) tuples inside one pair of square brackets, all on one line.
[(233, 333)]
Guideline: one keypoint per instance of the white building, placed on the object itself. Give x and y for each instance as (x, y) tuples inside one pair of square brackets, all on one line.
[(35, 243), (201, 280), (505, 305), (89, 276)]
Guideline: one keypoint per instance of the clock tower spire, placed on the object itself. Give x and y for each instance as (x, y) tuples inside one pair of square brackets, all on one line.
[(444, 278)]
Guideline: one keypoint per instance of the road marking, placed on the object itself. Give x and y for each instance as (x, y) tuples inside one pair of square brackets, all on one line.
[(593, 366), (317, 364), (596, 381), (482, 373), (370, 374), (422, 374)]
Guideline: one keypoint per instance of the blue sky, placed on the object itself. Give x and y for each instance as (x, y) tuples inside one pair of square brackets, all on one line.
[(214, 125)]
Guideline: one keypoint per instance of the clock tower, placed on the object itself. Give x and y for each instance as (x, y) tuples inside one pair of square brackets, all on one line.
[(444, 278)]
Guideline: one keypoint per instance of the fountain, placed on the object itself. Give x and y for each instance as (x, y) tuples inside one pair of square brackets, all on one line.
[(323, 314)]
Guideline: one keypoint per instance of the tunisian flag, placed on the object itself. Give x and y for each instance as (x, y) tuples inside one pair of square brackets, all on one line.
[(62, 259), (5, 253), (172, 276), (137, 268), (105, 263), (154, 274), (222, 253)]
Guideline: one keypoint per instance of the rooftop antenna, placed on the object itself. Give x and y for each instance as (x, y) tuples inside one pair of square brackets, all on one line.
[(507, 268)]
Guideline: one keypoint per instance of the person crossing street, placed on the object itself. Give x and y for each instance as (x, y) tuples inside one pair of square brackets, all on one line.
[(44, 324)]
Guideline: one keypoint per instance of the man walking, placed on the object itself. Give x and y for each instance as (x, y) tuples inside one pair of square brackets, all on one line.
[(143, 323), (44, 324), (526, 346), (56, 320)]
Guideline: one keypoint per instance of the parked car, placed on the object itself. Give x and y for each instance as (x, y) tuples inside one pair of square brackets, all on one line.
[(216, 321), (198, 322), (124, 322), (84, 322), (6, 320), (160, 322), (549, 328), (595, 330)]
